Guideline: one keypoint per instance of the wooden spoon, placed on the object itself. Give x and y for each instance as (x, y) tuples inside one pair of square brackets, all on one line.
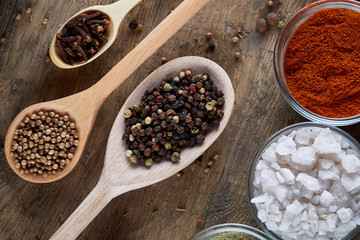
[(119, 175), (84, 106), (115, 12)]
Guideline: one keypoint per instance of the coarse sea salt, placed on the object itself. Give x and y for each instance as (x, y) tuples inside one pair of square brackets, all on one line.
[(307, 185)]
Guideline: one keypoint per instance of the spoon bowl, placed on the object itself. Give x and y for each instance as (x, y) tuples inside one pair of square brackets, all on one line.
[(119, 175), (115, 13)]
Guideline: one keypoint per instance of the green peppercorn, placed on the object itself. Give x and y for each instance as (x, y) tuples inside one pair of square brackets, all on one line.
[(167, 145), (138, 126), (127, 113), (175, 157), (137, 108), (199, 76), (167, 87), (133, 158), (210, 105), (149, 162), (194, 130)]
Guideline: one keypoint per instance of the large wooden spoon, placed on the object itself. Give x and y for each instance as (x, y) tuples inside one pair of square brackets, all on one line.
[(119, 175), (84, 106)]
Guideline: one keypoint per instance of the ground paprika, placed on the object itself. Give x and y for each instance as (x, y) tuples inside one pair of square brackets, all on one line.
[(322, 63)]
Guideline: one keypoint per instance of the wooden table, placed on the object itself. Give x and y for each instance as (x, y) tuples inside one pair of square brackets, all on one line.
[(178, 207)]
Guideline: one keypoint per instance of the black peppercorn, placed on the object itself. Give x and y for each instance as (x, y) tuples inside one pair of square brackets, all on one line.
[(133, 25), (212, 46)]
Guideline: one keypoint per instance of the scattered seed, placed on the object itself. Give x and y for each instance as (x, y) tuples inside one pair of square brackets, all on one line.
[(235, 39), (239, 30), (208, 35), (281, 24), (198, 223), (261, 25), (18, 16), (280, 1), (207, 169), (180, 209), (163, 60), (198, 161), (237, 55), (179, 174), (216, 156), (45, 21), (212, 46), (133, 25), (270, 3), (3, 39), (272, 19), (140, 27), (210, 163), (28, 10)]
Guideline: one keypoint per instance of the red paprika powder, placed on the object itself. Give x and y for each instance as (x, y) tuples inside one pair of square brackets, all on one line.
[(322, 63)]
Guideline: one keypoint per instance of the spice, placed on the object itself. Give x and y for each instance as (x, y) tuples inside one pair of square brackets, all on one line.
[(163, 60), (235, 39), (321, 63), (172, 116), (45, 21), (208, 35), (234, 236), (18, 16), (270, 3), (237, 55), (140, 27), (28, 10), (272, 19), (133, 25), (44, 143), (261, 25), (212, 46), (82, 37)]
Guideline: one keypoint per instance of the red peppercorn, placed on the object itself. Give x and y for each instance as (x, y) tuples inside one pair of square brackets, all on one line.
[(192, 90), (159, 99)]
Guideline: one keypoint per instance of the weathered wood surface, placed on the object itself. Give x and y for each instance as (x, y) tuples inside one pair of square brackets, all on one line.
[(35, 211)]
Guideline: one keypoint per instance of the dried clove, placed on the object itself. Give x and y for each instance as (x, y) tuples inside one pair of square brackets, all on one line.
[(82, 38)]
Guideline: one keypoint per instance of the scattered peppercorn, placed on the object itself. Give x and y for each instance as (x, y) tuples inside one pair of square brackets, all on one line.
[(281, 24), (212, 46), (45, 21), (207, 169), (261, 25), (140, 27), (179, 174), (208, 35), (272, 19), (174, 115), (28, 10), (44, 143), (239, 30), (270, 3), (163, 60), (133, 25), (237, 55), (82, 38)]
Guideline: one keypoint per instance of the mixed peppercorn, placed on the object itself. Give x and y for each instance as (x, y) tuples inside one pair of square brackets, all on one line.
[(82, 38), (174, 115)]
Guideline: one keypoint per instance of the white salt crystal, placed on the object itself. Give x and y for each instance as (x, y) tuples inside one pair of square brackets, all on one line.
[(350, 181), (326, 198), (338, 191), (281, 193), (308, 181), (268, 180), (271, 225), (350, 163), (333, 208), (335, 157), (269, 154), (284, 159), (343, 229), (315, 199), (325, 164), (275, 217), (275, 166), (314, 133), (304, 156), (288, 175), (299, 167), (344, 143), (280, 177), (274, 208), (286, 147), (354, 205), (295, 208), (312, 213), (345, 214), (328, 175), (262, 215), (303, 136), (306, 193), (324, 184), (304, 216), (261, 165), (323, 228), (326, 143), (351, 151), (356, 218), (259, 199), (331, 220)]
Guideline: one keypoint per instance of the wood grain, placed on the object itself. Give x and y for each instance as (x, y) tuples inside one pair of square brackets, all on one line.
[(33, 211)]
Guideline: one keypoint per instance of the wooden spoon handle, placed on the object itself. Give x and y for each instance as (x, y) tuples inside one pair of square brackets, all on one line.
[(162, 33), (98, 198)]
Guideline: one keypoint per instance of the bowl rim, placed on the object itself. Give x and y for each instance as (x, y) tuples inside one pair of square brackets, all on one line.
[(254, 232), (354, 144), (277, 69)]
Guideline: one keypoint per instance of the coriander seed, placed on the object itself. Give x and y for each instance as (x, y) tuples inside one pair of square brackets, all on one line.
[(237, 55), (235, 39), (208, 35)]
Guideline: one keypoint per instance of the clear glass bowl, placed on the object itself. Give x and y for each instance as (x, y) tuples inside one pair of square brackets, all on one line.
[(279, 54), (354, 145), (213, 232)]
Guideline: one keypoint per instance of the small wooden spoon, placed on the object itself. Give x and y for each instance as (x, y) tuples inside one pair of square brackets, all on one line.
[(119, 175), (84, 106), (115, 11)]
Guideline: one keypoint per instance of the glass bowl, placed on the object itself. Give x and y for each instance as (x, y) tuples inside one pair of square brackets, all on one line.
[(279, 54), (213, 232), (353, 144)]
